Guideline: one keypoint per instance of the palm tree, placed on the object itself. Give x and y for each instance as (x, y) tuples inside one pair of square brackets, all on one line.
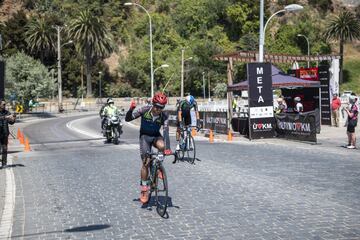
[(92, 40), (40, 37), (344, 27)]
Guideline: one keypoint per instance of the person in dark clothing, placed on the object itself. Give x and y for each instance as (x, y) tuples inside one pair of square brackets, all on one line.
[(152, 119), (6, 118)]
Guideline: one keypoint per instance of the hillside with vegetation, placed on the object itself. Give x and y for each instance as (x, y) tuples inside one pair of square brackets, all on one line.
[(107, 40)]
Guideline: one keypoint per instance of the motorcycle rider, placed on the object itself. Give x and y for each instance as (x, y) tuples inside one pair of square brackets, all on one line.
[(109, 111), (6, 118), (152, 118), (102, 116)]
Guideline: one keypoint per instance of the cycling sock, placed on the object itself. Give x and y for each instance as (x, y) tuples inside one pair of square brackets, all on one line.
[(144, 182)]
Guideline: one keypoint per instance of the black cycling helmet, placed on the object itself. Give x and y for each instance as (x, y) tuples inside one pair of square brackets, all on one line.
[(109, 100)]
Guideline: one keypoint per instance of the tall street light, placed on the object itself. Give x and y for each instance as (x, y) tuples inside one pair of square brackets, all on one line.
[(100, 75), (203, 76), (151, 48), (182, 71), (162, 66), (288, 8), (308, 48), (58, 29)]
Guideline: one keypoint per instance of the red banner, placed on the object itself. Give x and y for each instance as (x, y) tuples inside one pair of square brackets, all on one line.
[(311, 74)]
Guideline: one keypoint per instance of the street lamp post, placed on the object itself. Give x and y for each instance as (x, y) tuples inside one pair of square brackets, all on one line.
[(58, 29), (151, 48), (308, 48), (288, 8), (162, 66), (100, 74), (182, 71), (203, 76)]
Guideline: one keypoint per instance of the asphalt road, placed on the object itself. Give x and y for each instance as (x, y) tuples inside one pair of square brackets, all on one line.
[(73, 186)]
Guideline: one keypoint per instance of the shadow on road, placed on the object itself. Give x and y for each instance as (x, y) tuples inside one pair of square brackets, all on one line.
[(152, 203), (12, 166), (188, 160), (87, 228)]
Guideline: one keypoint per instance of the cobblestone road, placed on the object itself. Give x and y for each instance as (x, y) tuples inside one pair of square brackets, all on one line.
[(83, 189)]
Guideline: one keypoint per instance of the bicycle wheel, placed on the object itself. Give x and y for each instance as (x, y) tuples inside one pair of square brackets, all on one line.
[(190, 150), (161, 191)]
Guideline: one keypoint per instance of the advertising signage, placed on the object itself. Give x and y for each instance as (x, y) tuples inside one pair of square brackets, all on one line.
[(324, 77), (301, 127), (261, 116), (308, 74)]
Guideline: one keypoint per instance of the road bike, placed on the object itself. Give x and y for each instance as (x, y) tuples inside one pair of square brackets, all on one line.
[(187, 145), (158, 182)]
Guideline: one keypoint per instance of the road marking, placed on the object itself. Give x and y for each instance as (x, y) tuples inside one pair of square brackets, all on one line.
[(70, 126), (9, 206)]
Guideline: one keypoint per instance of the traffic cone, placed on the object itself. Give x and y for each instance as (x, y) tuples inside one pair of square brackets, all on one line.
[(193, 132), (18, 134), (21, 138), (229, 138), (211, 137), (27, 145)]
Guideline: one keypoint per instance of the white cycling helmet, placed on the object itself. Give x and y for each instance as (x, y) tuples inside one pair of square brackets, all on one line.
[(297, 99)]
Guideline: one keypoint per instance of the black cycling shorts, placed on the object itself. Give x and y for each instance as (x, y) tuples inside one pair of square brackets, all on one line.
[(146, 142), (351, 126)]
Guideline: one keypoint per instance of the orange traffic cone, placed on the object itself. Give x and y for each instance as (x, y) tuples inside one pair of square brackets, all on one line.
[(211, 137), (229, 138), (18, 134), (27, 145), (21, 138), (193, 132)]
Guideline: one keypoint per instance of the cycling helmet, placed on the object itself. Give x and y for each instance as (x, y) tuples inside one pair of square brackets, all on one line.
[(110, 101), (159, 100), (297, 99), (190, 99)]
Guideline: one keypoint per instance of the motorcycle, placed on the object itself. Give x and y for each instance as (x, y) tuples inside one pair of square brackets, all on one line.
[(113, 129)]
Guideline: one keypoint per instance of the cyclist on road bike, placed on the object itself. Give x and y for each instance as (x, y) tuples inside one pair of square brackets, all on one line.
[(152, 118), (184, 115)]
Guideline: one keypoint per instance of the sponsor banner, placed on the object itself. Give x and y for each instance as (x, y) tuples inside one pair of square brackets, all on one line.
[(308, 74), (324, 77), (301, 127), (262, 112), (217, 121), (261, 119)]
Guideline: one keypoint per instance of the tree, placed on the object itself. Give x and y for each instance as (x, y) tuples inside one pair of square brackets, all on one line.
[(220, 90), (344, 27), (41, 37), (92, 41), (27, 78)]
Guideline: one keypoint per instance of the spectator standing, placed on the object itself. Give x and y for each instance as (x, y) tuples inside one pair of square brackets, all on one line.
[(6, 118), (352, 121), (335, 106), (298, 105), (281, 107)]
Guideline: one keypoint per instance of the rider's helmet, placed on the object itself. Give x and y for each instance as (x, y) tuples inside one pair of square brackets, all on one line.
[(190, 99), (159, 100), (297, 99), (110, 101)]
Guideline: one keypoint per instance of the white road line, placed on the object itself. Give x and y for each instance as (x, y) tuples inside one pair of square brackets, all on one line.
[(70, 126), (6, 221)]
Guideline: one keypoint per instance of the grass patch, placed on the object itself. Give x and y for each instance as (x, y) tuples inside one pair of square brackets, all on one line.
[(351, 76)]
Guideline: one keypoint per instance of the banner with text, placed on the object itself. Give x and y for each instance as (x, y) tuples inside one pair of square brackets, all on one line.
[(261, 117), (301, 127)]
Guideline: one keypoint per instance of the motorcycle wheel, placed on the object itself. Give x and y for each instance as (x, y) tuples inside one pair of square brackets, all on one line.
[(116, 136)]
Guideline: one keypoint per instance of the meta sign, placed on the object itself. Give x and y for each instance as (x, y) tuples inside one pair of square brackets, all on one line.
[(261, 115)]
